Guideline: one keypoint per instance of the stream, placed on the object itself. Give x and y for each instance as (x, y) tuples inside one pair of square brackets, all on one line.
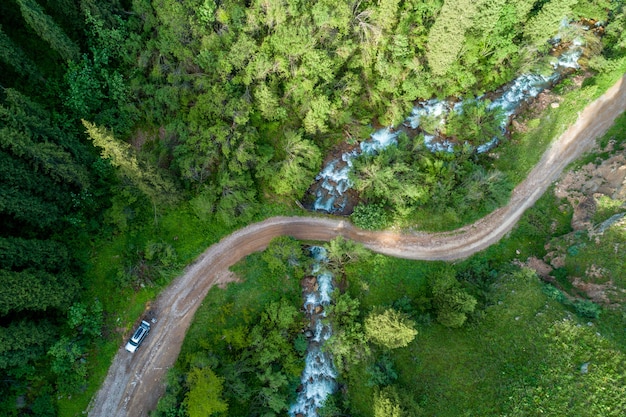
[(318, 377), (333, 182)]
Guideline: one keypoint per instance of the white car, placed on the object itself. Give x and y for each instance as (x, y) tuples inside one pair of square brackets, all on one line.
[(138, 337)]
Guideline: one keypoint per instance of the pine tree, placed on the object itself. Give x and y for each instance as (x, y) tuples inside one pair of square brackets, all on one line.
[(48, 30), (447, 35), (14, 56), (24, 341), (145, 177), (35, 291), (545, 24)]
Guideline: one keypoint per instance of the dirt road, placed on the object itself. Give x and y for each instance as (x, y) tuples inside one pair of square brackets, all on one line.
[(136, 381)]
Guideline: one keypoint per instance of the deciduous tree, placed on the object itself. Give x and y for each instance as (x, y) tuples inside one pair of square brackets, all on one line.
[(390, 329), (204, 397)]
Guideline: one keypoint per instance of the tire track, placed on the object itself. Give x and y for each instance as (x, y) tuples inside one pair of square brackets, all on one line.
[(135, 382)]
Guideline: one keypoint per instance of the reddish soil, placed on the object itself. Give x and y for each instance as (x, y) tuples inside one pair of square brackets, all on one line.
[(136, 381)]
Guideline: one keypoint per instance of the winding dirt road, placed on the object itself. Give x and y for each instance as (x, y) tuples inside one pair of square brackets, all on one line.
[(136, 381)]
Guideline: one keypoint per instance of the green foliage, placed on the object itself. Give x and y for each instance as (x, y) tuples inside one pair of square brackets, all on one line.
[(341, 252), (23, 342), (551, 13), (382, 372), (390, 329), (348, 345), (246, 339), (29, 132), (17, 254), (48, 30), (283, 254), (146, 178), (161, 253), (387, 403), (447, 35), (369, 216), (204, 396), (587, 309), (13, 55), (476, 122), (69, 365), (580, 364), (294, 174), (450, 301), (86, 318), (35, 290), (208, 77)]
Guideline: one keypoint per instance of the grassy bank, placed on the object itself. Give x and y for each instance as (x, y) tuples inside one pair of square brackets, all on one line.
[(517, 156), (125, 282), (379, 281)]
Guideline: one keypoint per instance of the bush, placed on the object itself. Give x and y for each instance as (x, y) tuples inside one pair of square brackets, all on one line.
[(370, 216), (587, 309)]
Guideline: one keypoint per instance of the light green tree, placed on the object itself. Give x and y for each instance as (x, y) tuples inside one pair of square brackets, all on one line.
[(447, 35), (390, 329), (145, 177), (204, 398), (295, 173), (386, 403), (545, 24)]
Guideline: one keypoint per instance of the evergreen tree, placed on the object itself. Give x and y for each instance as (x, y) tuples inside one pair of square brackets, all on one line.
[(14, 56), (545, 24), (18, 254), (447, 35), (24, 341), (145, 177), (48, 30), (35, 290)]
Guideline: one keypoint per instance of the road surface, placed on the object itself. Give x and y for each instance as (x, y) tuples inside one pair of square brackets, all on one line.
[(136, 381)]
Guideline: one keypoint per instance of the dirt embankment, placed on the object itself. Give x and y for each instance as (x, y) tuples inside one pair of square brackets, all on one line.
[(136, 381)]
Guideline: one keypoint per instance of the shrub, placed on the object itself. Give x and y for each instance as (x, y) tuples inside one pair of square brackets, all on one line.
[(587, 309), (370, 216)]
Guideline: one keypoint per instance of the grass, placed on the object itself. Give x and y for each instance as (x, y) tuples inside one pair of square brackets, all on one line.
[(492, 366), (382, 280), (517, 157), (522, 353), (124, 305)]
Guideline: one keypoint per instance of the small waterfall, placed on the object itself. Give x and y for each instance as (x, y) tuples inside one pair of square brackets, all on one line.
[(333, 182), (318, 377)]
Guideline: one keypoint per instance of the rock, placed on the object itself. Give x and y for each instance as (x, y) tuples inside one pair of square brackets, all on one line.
[(583, 212), (555, 105), (309, 284), (541, 268), (319, 309), (308, 334), (584, 368)]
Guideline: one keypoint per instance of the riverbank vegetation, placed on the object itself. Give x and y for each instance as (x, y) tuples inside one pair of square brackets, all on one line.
[(134, 133)]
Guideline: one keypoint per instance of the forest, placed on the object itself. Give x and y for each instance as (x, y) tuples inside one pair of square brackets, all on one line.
[(134, 133)]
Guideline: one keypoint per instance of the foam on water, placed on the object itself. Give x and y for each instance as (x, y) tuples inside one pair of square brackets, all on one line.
[(331, 197), (379, 140), (318, 377)]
